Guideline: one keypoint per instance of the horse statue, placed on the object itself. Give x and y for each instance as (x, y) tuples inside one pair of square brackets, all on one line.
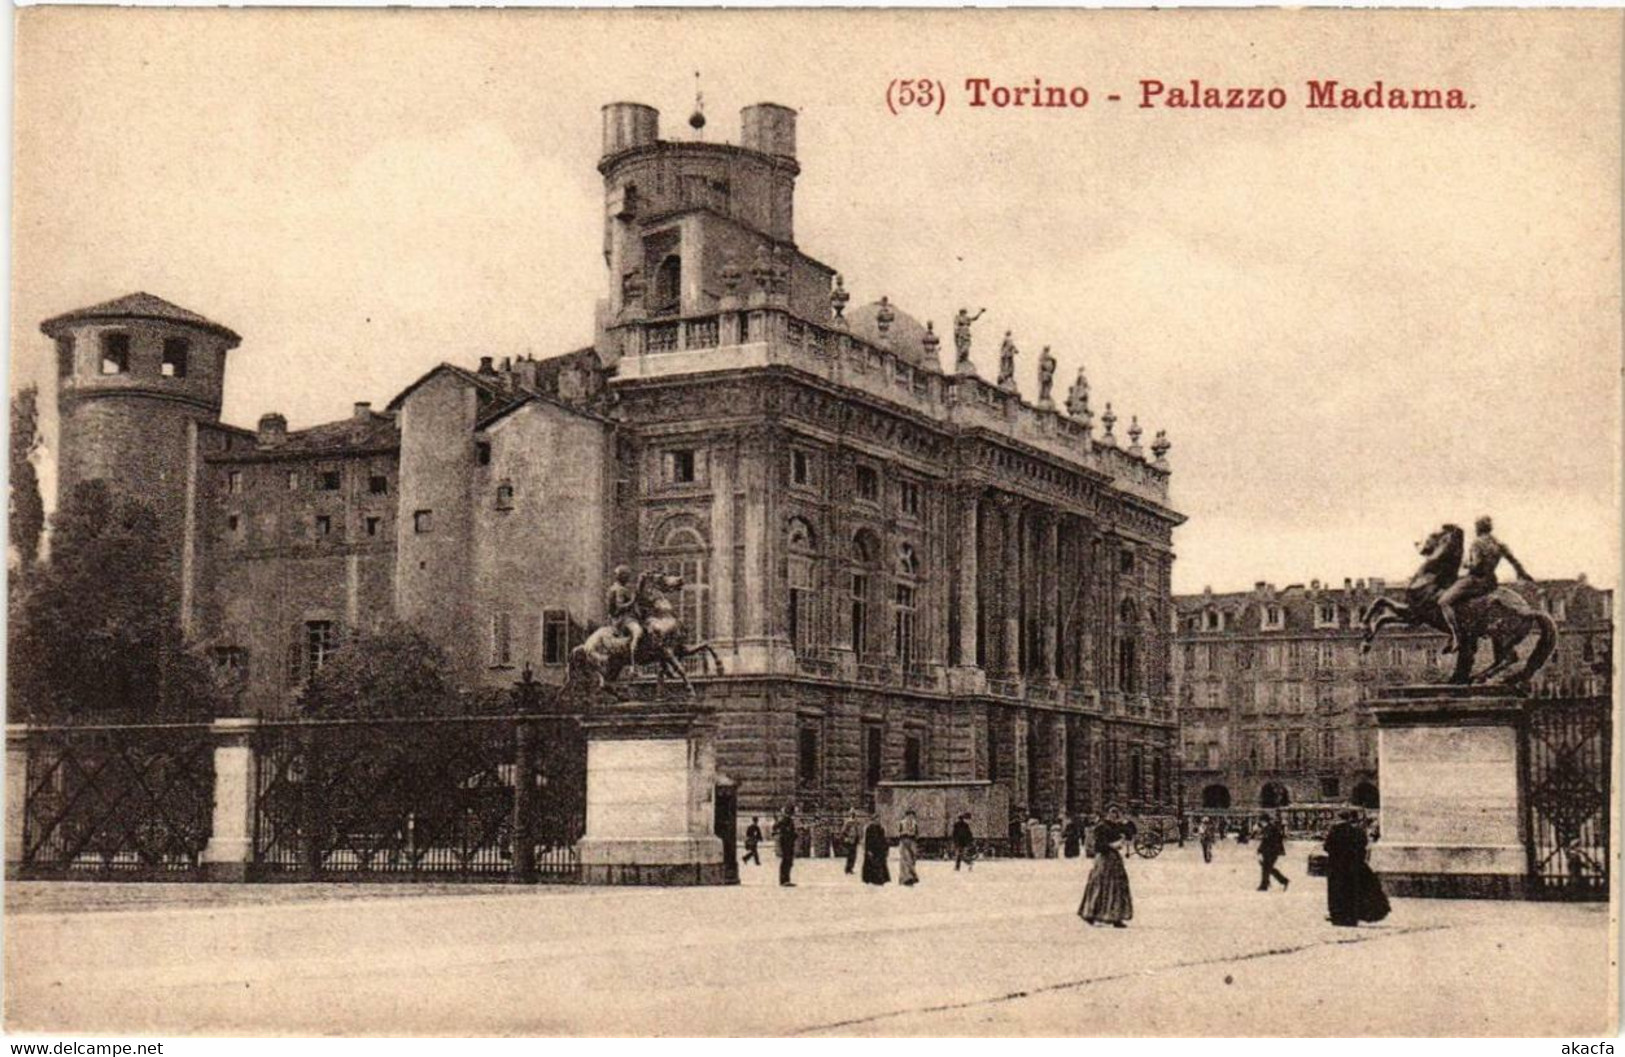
[(1502, 616), (606, 652)]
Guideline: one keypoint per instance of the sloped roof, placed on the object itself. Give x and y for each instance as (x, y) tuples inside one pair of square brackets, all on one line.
[(138, 305)]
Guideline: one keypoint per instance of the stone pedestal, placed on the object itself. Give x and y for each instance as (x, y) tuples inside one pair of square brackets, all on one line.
[(16, 794), (651, 796), (230, 851), (1452, 820)]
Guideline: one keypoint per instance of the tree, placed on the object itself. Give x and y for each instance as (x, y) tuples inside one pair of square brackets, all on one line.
[(27, 507), (96, 630), (391, 670)]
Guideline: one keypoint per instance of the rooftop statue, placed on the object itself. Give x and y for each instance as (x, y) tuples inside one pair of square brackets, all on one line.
[(1046, 378), (642, 628), (962, 323), (1007, 363), (1467, 604)]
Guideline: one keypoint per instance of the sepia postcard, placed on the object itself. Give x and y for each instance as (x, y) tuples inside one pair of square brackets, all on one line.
[(818, 522)]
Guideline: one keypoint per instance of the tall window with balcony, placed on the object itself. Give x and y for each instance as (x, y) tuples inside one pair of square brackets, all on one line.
[(802, 613), (903, 637), (667, 296), (865, 551), (683, 553), (1128, 629)]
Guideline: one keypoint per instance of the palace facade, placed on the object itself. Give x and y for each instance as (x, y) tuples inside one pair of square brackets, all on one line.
[(1273, 688), (908, 572)]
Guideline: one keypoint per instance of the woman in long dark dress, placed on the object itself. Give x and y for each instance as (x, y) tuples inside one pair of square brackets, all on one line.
[(1072, 837), (876, 848), (1345, 869), (1106, 898)]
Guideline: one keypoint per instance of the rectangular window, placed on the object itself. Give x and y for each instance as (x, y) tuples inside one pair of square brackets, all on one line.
[(868, 484), (504, 497), (233, 660), (1294, 750), (1325, 616), (1326, 655), (680, 466), (324, 525), (64, 355), (1215, 695), (1328, 746), (234, 482), (320, 642), (555, 637), (234, 526), (330, 480), (801, 604), (482, 452), (860, 614), (501, 639), (873, 739), (913, 762), (1330, 789), (800, 468), (904, 624), (807, 770), (115, 354), (1294, 697), (176, 351), (378, 484), (373, 525), (908, 498), (1273, 618), (1213, 757), (423, 521), (293, 480), (1125, 561)]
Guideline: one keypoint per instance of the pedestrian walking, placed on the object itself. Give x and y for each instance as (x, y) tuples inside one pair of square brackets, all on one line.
[(1271, 846), (964, 843), (1184, 830), (876, 848), (1353, 892), (753, 840), (1052, 839), (784, 833), (1106, 896), (908, 835), (851, 837), (1072, 838), (1206, 835)]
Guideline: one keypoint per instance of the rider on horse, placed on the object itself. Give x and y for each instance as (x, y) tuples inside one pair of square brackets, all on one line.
[(1477, 580), (625, 608)]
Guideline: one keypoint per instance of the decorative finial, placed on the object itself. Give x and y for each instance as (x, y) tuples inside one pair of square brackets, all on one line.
[(696, 120), (1159, 448), (931, 343), (885, 316), (1134, 434), (1109, 419), (838, 297)]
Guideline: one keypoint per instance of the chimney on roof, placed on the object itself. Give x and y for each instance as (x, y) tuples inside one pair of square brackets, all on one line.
[(273, 430), (486, 370), (1377, 583), (525, 373), (1259, 586), (1347, 583), (1314, 585), (363, 410)]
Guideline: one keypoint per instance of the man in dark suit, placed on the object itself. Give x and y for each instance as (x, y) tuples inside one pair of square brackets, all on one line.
[(784, 832), (753, 841), (1271, 846)]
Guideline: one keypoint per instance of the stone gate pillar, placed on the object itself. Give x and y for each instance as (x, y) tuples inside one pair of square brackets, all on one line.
[(1452, 820), (651, 795)]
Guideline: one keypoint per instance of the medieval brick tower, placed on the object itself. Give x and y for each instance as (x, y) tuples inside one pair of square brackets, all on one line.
[(135, 378)]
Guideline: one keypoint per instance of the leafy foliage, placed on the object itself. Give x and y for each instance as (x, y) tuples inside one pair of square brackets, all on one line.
[(27, 513), (391, 670), (95, 632)]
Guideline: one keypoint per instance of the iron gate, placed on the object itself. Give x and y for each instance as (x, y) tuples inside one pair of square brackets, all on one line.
[(125, 802), (1567, 779), (401, 799)]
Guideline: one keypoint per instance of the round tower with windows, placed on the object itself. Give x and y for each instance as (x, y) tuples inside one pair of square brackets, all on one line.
[(134, 378)]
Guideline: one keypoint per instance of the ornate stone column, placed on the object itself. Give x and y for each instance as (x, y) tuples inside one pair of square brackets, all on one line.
[(1011, 571), (1051, 581), (968, 676)]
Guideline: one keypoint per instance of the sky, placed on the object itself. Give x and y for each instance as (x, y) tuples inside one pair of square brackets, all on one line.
[(1354, 325)]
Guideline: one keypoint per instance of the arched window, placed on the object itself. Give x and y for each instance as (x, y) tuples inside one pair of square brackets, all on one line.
[(802, 613), (1216, 796), (668, 293), (683, 552), (1365, 795)]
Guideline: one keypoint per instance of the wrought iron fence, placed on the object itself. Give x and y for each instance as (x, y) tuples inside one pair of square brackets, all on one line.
[(1569, 791), (132, 802), (397, 799)]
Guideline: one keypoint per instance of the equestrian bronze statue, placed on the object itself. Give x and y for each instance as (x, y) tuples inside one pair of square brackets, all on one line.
[(1474, 607), (643, 628)]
